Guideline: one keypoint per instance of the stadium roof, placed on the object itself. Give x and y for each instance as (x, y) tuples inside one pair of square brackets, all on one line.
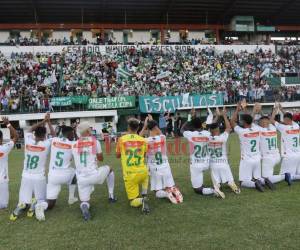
[(273, 12)]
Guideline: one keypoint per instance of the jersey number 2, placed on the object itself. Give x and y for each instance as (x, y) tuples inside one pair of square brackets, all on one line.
[(133, 153)]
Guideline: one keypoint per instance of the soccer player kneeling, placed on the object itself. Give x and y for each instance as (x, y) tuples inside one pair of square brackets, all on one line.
[(161, 178), (86, 151), (33, 181), (60, 171), (199, 156), (4, 152), (220, 169), (250, 163), (131, 148), (290, 144)]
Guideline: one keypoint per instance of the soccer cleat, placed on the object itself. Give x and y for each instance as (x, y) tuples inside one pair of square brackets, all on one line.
[(145, 206), (218, 192), (17, 212), (177, 194), (85, 212), (112, 200), (288, 178), (39, 212), (234, 188), (269, 184), (259, 186), (171, 196), (30, 212), (72, 200)]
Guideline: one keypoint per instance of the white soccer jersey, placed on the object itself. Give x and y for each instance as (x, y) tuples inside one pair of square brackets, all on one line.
[(84, 152), (290, 138), (4, 151), (198, 141), (61, 154), (249, 141), (35, 157), (217, 147), (157, 152), (268, 141)]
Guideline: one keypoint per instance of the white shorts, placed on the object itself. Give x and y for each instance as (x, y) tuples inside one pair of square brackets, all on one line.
[(86, 182), (4, 195), (249, 169), (290, 164), (221, 173), (32, 188), (161, 179), (197, 175), (56, 179), (268, 165)]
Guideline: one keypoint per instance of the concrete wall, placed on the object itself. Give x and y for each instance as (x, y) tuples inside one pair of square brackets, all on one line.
[(118, 35), (175, 38), (139, 36), (4, 36), (61, 34), (196, 35), (89, 36), (25, 34)]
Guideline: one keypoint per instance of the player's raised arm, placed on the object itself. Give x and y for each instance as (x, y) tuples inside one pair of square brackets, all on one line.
[(47, 120), (227, 122), (235, 114), (274, 113), (13, 132), (39, 124), (144, 129), (184, 127)]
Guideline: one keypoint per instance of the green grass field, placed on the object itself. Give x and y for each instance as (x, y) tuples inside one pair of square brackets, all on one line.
[(251, 220)]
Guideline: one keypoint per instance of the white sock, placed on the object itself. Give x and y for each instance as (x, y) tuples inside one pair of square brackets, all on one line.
[(276, 178), (110, 180), (72, 189), (85, 203), (208, 191), (44, 204), (248, 184), (295, 177), (161, 194)]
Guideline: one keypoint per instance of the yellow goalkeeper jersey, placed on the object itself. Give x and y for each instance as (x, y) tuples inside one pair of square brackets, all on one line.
[(132, 148)]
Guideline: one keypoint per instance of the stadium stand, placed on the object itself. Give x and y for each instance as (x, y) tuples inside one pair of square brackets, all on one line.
[(28, 81)]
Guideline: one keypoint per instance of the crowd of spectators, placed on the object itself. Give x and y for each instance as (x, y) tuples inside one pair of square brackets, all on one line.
[(28, 82)]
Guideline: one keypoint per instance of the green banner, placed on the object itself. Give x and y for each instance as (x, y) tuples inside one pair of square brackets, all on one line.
[(80, 99), (112, 102), (61, 101), (156, 104)]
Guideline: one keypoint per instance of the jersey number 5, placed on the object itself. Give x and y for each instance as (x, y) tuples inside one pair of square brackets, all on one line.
[(59, 159)]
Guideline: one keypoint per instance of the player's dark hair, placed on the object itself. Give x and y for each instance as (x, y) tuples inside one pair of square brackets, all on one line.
[(1, 135), (288, 115), (214, 126), (133, 124), (151, 124), (264, 117), (197, 123), (40, 132), (66, 130), (246, 118)]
